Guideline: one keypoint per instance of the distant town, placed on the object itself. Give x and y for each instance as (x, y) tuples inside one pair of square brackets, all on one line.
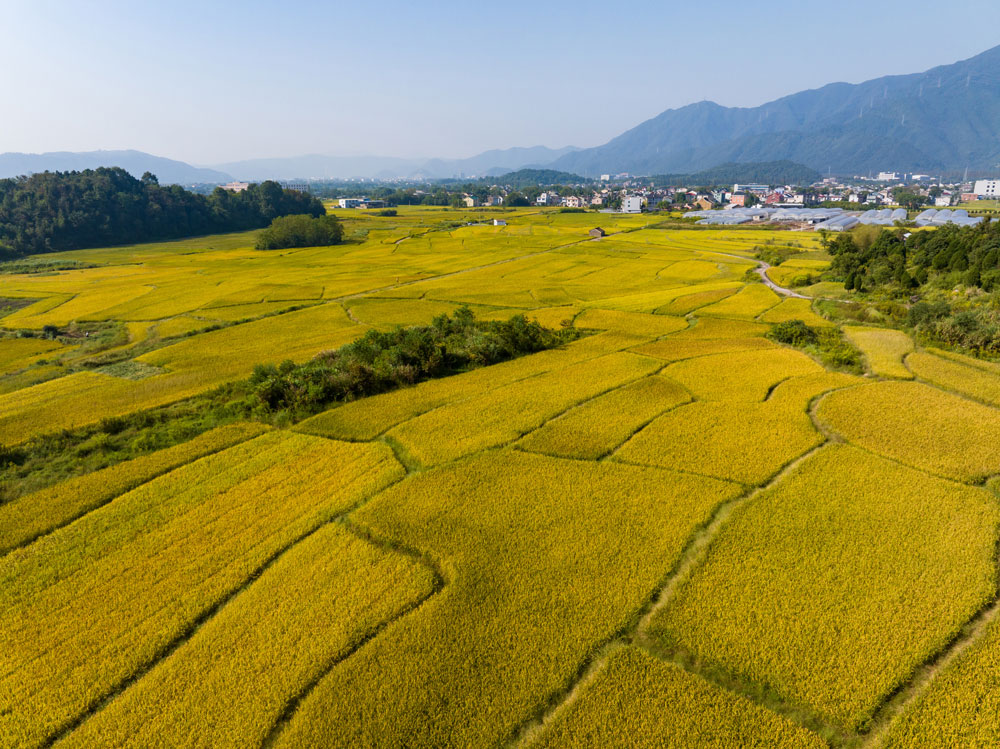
[(833, 203)]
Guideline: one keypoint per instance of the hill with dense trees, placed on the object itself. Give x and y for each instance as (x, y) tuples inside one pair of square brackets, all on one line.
[(55, 211), (782, 172)]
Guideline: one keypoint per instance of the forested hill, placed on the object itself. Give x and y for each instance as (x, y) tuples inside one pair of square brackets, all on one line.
[(768, 173), (529, 177), (55, 211)]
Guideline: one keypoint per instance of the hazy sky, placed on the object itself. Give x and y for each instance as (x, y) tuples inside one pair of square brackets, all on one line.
[(209, 81)]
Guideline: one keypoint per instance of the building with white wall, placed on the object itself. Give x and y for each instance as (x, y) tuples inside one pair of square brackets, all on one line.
[(632, 204), (987, 188)]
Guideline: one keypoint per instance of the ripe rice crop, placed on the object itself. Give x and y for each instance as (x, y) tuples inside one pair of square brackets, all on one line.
[(33, 515), (182, 325), (392, 312), (801, 390), (599, 425), (682, 305), (742, 375), (540, 556), (638, 701), (691, 271), (795, 309), (975, 382), (918, 425), (26, 316), (751, 301), (237, 312), (986, 366), (626, 294), (736, 441), (708, 327), (19, 352), (884, 349), (310, 609), (961, 705), (88, 606), (193, 365), (506, 413), (553, 317), (368, 418), (630, 322), (831, 587), (674, 349)]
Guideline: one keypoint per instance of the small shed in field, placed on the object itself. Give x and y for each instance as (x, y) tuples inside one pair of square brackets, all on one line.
[(597, 232)]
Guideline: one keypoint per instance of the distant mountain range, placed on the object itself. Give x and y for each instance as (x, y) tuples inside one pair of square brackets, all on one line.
[(945, 119), (315, 166), (312, 166), (168, 171)]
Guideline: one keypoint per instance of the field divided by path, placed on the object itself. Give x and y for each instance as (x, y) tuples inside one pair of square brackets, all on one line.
[(671, 530)]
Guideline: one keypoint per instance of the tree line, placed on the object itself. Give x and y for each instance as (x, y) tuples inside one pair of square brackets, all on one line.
[(946, 257), (943, 284), (56, 211)]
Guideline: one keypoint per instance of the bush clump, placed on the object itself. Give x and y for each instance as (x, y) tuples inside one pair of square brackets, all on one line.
[(381, 361), (793, 333), (300, 231), (826, 344)]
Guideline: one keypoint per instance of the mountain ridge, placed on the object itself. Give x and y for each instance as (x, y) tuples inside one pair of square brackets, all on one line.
[(899, 122), (168, 171)]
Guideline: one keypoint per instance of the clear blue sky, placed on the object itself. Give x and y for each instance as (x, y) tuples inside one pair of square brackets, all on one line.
[(208, 81)]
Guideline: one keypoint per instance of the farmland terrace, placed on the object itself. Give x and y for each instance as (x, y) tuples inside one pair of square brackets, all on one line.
[(674, 529)]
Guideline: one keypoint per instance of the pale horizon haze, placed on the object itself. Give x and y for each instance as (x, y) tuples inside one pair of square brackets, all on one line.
[(212, 82)]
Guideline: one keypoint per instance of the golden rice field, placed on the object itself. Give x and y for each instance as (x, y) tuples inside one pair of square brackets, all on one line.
[(884, 349), (670, 532)]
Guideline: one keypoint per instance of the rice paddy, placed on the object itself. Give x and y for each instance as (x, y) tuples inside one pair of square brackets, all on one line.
[(671, 531)]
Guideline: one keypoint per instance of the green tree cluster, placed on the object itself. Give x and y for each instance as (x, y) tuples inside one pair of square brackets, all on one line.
[(54, 211), (382, 361), (891, 258), (300, 231)]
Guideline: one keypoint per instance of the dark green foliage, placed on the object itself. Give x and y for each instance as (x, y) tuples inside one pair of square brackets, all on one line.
[(516, 200), (782, 172), (827, 344), (975, 329), (374, 363), (381, 361), (946, 257), (572, 210), (525, 177), (775, 254), (794, 333), (909, 199), (55, 211), (300, 231)]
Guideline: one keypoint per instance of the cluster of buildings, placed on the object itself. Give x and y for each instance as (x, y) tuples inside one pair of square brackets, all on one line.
[(360, 203), (237, 186)]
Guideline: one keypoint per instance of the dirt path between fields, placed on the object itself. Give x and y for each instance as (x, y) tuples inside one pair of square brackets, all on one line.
[(761, 270)]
